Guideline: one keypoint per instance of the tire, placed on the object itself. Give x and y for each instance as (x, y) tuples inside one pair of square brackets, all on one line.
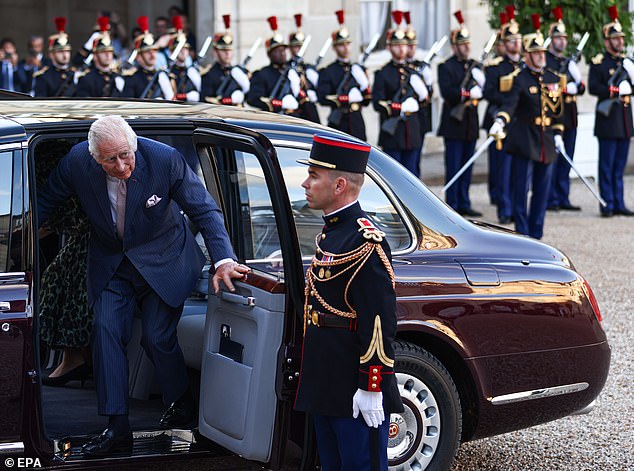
[(427, 435)]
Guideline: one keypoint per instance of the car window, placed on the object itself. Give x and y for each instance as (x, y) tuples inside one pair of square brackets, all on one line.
[(6, 177), (309, 222)]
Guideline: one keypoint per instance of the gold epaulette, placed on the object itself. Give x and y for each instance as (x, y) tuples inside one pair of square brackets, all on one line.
[(129, 72), (493, 62), (82, 73), (597, 59), (41, 71), (506, 81), (204, 69), (370, 231)]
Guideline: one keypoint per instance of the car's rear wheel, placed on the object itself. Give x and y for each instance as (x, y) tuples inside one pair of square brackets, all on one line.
[(427, 434)]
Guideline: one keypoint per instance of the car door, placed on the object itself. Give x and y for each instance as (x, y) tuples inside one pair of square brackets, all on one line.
[(16, 320), (245, 378)]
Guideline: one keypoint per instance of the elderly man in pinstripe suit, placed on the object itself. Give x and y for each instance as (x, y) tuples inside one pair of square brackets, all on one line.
[(142, 254)]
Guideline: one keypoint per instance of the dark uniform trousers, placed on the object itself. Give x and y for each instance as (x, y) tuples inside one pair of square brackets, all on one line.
[(336, 78), (560, 186), (534, 109), (613, 131), (460, 136), (341, 353), (391, 87), (498, 77)]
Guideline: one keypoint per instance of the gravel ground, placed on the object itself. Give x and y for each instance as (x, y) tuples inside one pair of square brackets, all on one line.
[(601, 250)]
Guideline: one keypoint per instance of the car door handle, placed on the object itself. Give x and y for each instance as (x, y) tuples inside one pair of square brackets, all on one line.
[(237, 299), (5, 306)]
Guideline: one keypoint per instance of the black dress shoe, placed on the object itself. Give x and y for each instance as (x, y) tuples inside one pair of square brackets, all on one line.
[(80, 373), (180, 414), (469, 212), (624, 212), (607, 214), (569, 207), (553, 207), (106, 443), (505, 220)]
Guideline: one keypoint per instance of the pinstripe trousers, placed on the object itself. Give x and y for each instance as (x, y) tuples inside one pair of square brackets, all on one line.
[(126, 294)]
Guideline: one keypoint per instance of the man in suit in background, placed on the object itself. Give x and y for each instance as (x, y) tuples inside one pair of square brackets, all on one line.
[(142, 255)]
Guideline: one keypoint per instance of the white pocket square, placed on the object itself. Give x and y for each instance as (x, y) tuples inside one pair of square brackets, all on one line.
[(152, 201)]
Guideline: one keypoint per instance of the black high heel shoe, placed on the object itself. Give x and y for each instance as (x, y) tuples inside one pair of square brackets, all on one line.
[(79, 373)]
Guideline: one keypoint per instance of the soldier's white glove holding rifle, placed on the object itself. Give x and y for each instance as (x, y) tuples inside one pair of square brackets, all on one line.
[(370, 404), (497, 128), (559, 144)]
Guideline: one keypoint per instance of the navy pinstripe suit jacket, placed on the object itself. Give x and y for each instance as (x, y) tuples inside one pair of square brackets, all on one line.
[(157, 239)]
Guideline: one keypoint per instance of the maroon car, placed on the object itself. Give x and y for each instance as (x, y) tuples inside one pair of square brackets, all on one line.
[(496, 332)]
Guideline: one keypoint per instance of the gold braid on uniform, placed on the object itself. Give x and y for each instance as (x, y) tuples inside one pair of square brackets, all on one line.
[(356, 257)]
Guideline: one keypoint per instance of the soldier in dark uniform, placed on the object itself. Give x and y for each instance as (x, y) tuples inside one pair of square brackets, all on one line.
[(185, 77), (424, 71), (272, 86), (58, 78), (533, 115), (344, 86), (396, 95), (349, 317), (308, 75), (225, 83), (610, 79), (461, 85), (101, 80), (556, 61), (137, 79), (499, 80)]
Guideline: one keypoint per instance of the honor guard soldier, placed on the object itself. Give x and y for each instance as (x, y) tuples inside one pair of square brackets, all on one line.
[(533, 115), (57, 79), (185, 77), (308, 75), (273, 88), (461, 85), (610, 79), (344, 86), (349, 316), (424, 70), (500, 76), (145, 81), (556, 61), (396, 95), (224, 83), (101, 80)]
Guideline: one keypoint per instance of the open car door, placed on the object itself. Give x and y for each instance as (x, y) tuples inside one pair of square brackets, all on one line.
[(247, 374)]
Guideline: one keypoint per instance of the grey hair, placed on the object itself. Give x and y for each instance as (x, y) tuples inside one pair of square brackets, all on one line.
[(108, 129)]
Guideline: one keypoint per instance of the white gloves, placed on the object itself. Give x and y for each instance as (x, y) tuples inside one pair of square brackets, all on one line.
[(119, 82), (410, 105), (574, 72), (312, 95), (289, 102), (88, 44), (293, 78), (241, 78), (628, 65), (359, 75), (237, 97), (428, 77), (478, 76), (625, 88), (475, 92), (571, 88), (354, 95), (497, 128), (371, 406), (419, 87), (313, 76), (559, 144)]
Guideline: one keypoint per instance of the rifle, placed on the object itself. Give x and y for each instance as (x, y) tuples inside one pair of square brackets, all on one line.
[(228, 79), (605, 106), (433, 51), (323, 51), (172, 61), (457, 112), (345, 85)]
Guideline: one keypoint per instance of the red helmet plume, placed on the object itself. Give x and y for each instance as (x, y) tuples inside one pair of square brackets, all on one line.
[(408, 17), (226, 19), (558, 14), (458, 15), (340, 16), (397, 16), (536, 21), (272, 22), (298, 20), (177, 22), (504, 18), (144, 23), (510, 11), (60, 23), (104, 23)]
